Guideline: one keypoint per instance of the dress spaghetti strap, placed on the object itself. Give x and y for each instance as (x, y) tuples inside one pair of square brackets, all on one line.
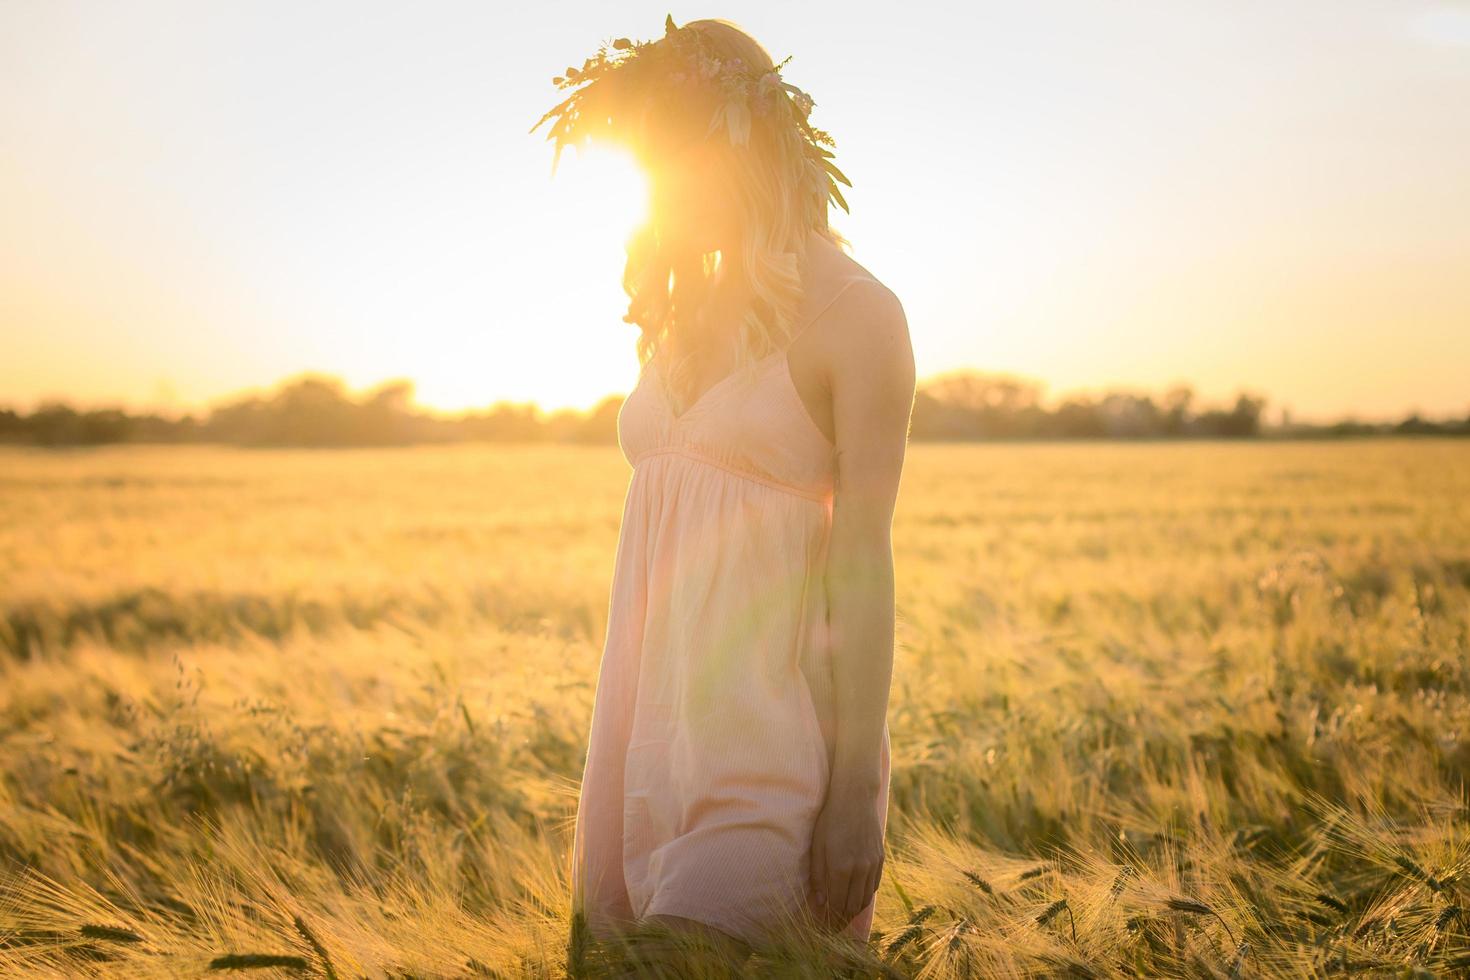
[(802, 328)]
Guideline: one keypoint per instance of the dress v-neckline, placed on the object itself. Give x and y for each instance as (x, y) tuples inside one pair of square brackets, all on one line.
[(704, 396), (780, 352)]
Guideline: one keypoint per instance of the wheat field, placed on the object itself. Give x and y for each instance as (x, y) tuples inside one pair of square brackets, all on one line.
[(1163, 710)]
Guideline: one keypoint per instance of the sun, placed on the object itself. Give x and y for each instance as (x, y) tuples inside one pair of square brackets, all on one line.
[(602, 196), (609, 189), (551, 330)]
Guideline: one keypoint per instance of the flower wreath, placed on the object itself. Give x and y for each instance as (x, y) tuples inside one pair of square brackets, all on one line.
[(624, 78)]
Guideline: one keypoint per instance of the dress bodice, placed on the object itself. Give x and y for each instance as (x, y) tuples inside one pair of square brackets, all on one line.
[(753, 424)]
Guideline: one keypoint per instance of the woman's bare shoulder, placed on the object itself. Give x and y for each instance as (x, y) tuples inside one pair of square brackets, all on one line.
[(861, 332), (851, 288), (867, 314), (869, 364), (872, 330)]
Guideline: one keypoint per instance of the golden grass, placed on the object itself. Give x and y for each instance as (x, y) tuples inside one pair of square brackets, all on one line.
[(1185, 709)]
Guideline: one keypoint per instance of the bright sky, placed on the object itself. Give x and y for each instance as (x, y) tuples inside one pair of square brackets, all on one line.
[(200, 198)]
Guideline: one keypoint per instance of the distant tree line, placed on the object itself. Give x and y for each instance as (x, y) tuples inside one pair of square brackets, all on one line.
[(317, 410)]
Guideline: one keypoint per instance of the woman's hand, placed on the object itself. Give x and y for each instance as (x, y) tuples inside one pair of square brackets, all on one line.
[(847, 853)]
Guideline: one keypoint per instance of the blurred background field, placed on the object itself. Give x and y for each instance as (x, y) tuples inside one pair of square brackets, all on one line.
[(1187, 708)]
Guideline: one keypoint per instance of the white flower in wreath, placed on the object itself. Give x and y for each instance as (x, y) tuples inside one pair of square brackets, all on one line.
[(803, 101)]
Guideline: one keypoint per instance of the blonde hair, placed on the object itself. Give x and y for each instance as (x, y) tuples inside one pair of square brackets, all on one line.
[(776, 209)]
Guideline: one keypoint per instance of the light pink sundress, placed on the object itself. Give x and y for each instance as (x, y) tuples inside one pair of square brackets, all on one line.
[(713, 725)]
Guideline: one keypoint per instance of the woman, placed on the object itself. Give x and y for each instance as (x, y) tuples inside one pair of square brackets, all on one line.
[(738, 762)]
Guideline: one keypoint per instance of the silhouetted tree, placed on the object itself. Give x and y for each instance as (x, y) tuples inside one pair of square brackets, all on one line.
[(316, 410), (601, 424), (1177, 402)]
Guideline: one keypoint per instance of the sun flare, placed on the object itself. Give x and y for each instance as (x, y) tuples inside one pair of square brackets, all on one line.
[(610, 192), (570, 259)]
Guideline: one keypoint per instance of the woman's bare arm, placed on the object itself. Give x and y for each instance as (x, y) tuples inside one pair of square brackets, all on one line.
[(872, 384)]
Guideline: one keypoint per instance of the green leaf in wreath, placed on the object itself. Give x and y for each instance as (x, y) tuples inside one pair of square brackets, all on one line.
[(837, 195), (831, 168)]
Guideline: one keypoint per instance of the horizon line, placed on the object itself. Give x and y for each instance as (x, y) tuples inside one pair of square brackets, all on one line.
[(1047, 398)]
